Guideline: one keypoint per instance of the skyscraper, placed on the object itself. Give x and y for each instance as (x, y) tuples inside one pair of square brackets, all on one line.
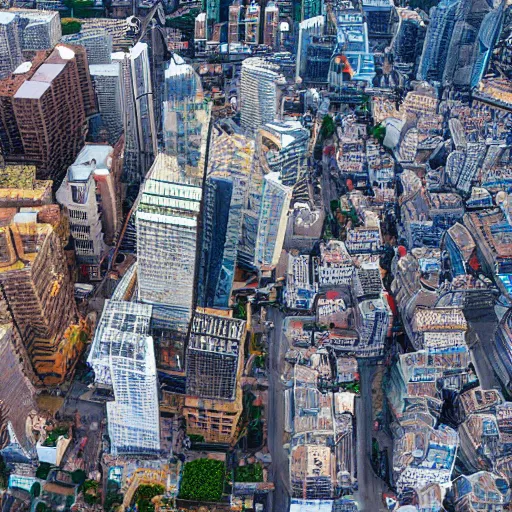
[(437, 40), (123, 359), (271, 25), (214, 362), (97, 43), (139, 117), (38, 30), (43, 115), (186, 115), (217, 267), (477, 26), (258, 94), (89, 193), (282, 148), (167, 232), (108, 124), (35, 282), (272, 220), (10, 44), (252, 23)]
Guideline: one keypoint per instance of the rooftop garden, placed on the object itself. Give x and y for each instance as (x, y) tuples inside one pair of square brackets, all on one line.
[(203, 480), (249, 473)]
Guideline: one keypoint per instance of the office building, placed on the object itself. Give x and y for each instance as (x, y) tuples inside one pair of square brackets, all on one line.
[(186, 116), (107, 126), (270, 30), (214, 353), (235, 23), (259, 98), (90, 194), (39, 293), (351, 59), (272, 221), (217, 268), (139, 116), (252, 23), (167, 239), (408, 40), (97, 43), (44, 109), (10, 44), (310, 9), (282, 148), (123, 360), (232, 158), (475, 31), (215, 356), (38, 29), (308, 29), (378, 17), (437, 40)]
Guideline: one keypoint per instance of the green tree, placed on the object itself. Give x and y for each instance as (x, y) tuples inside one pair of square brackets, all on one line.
[(328, 127), (70, 26), (203, 480)]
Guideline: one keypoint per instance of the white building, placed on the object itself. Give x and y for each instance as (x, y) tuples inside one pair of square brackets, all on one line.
[(272, 220), (123, 358), (258, 93), (88, 195), (167, 223)]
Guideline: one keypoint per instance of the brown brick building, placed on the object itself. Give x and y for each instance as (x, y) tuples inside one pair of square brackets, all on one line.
[(43, 111)]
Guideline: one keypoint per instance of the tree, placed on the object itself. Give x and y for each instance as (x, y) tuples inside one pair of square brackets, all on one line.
[(203, 480), (70, 26), (328, 127)]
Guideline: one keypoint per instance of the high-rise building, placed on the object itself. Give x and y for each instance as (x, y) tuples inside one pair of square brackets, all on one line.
[(108, 124), (35, 282), (123, 359), (167, 239), (44, 109), (235, 22), (352, 59), (307, 30), (407, 43), (139, 116), (39, 30), (378, 17), (282, 148), (217, 268), (252, 23), (91, 196), (214, 363), (186, 116), (475, 31), (310, 9), (437, 40), (272, 220), (97, 43), (214, 350), (271, 25), (10, 43), (259, 98)]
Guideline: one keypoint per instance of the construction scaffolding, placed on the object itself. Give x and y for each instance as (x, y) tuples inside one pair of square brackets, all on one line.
[(123, 359)]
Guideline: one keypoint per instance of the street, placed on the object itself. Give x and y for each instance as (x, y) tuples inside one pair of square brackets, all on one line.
[(277, 350), (369, 495)]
